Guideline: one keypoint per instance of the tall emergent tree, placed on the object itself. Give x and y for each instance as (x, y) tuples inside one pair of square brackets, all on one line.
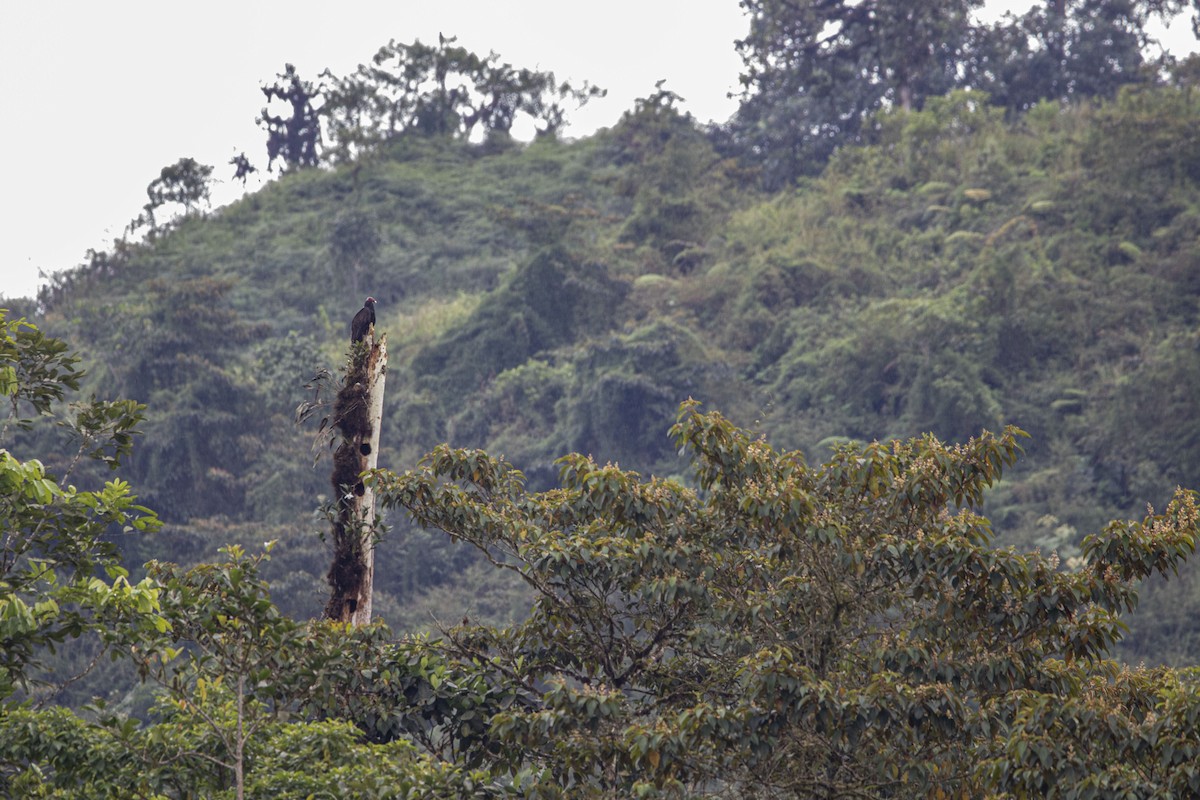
[(185, 183), (815, 70), (1065, 49), (443, 90), (294, 138)]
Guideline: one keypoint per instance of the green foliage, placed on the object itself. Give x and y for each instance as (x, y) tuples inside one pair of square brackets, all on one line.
[(35, 369), (443, 90), (677, 184), (186, 183), (989, 294), (814, 72), (216, 701), (175, 356), (664, 652), (54, 755), (53, 536), (295, 138), (960, 269), (232, 671), (546, 304), (623, 387), (354, 244), (1066, 50), (518, 411), (760, 628)]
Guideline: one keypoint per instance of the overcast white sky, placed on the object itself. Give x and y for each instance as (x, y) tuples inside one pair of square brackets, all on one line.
[(99, 96)]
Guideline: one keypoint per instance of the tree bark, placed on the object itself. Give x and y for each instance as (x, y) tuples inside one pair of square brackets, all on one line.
[(358, 414), (376, 370)]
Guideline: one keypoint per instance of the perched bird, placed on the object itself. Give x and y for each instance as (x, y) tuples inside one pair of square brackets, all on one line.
[(363, 321)]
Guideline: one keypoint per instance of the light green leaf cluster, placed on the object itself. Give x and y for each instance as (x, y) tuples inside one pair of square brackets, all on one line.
[(52, 535)]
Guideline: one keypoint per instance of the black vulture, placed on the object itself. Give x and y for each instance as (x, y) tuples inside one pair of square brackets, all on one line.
[(363, 321)]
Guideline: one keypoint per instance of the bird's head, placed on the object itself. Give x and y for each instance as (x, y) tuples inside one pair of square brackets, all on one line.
[(370, 301)]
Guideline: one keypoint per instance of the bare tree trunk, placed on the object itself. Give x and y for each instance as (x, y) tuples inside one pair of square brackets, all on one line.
[(358, 414), (376, 370)]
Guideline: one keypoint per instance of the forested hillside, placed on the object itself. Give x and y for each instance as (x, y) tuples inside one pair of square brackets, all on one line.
[(964, 262), (958, 273)]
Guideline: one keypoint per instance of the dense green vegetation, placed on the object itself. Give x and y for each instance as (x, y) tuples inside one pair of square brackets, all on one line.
[(815, 73), (663, 655), (959, 273), (961, 262)]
